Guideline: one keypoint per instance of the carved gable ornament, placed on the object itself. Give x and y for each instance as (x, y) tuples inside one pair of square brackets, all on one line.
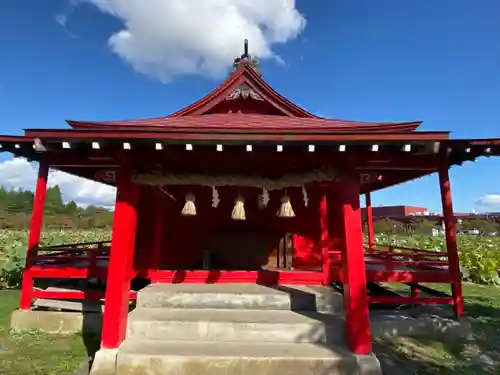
[(244, 92)]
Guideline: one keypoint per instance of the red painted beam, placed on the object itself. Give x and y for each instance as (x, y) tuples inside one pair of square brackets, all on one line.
[(411, 300), (224, 277), (74, 294), (92, 135), (51, 272)]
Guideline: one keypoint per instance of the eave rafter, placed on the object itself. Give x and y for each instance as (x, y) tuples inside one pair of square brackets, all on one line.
[(211, 136), (402, 157)]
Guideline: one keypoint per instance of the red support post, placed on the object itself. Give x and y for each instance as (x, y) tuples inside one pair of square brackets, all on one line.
[(451, 239), (34, 235), (159, 229), (353, 264), (120, 261), (369, 219), (325, 241)]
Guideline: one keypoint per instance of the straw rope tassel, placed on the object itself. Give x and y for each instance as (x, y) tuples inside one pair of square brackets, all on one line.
[(189, 208), (286, 209), (215, 197), (263, 199), (239, 209), (305, 198)]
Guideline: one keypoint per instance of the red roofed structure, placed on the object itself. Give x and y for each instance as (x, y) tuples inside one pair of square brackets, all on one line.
[(243, 186)]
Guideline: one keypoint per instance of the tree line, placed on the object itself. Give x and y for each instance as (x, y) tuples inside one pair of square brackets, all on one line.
[(16, 206)]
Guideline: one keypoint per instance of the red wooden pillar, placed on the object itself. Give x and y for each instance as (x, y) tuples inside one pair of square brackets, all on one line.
[(159, 230), (325, 240), (369, 219), (451, 239), (353, 268), (35, 233), (120, 261)]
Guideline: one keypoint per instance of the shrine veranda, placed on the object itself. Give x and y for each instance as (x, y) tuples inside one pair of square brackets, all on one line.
[(244, 186)]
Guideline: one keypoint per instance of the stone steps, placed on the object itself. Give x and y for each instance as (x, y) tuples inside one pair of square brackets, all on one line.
[(214, 358), (188, 329), (236, 325), (241, 296)]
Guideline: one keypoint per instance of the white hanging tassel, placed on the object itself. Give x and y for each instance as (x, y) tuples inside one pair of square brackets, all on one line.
[(304, 196), (189, 208), (286, 209), (263, 199), (215, 197), (239, 209)]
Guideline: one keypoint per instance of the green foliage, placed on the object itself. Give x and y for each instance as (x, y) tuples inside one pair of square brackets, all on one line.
[(483, 226), (479, 255), (13, 246), (16, 205), (388, 226), (53, 201), (11, 268), (423, 226)]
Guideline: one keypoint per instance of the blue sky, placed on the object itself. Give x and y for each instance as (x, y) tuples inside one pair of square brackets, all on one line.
[(384, 60)]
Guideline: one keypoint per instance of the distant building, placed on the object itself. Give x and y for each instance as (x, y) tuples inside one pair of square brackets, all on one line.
[(380, 212), (405, 213)]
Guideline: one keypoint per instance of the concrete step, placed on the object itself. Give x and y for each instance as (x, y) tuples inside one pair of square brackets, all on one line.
[(235, 325), (212, 358), (241, 296)]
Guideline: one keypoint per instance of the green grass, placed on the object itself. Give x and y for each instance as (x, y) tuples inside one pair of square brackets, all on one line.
[(36, 353), (480, 356)]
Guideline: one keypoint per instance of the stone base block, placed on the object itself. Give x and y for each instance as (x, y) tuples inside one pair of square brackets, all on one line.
[(56, 322), (104, 362)]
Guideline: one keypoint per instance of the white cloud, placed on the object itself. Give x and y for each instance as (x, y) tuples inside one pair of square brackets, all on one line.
[(165, 38), (61, 19), (489, 202), (19, 173)]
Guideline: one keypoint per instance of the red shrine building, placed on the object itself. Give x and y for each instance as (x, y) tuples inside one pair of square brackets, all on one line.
[(243, 186)]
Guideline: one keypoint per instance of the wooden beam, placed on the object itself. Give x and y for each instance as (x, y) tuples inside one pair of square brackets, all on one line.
[(95, 135)]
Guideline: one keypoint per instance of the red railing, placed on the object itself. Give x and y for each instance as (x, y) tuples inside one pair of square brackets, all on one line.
[(70, 261), (388, 263)]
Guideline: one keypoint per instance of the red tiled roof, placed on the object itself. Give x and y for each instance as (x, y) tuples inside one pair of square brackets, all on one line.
[(290, 117), (249, 122)]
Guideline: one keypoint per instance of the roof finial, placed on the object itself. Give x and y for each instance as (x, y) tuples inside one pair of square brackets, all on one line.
[(245, 48), (246, 59)]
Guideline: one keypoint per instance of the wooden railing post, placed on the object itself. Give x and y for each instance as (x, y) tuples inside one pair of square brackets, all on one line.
[(389, 260), (34, 234), (120, 261), (369, 222)]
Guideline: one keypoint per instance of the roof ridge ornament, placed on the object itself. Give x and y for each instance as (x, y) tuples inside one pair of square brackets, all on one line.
[(246, 59), (244, 92)]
